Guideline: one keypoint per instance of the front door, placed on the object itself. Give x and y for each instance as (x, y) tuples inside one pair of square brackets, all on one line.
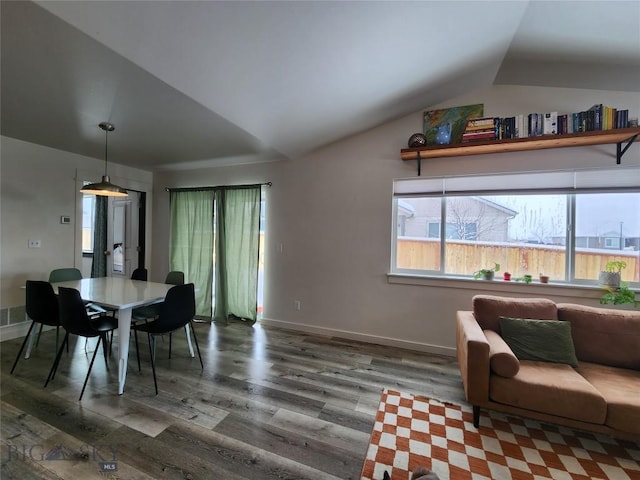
[(123, 235)]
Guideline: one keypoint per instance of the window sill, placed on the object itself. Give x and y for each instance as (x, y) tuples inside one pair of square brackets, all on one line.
[(564, 290)]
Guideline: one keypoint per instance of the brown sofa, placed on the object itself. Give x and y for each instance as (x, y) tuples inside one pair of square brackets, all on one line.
[(602, 394)]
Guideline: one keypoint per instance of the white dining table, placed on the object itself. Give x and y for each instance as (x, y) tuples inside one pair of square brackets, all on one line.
[(124, 295)]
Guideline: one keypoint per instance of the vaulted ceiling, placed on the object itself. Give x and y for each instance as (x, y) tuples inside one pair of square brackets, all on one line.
[(195, 83)]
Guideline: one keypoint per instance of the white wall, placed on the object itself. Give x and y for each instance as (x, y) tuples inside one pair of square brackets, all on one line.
[(38, 185), (331, 211)]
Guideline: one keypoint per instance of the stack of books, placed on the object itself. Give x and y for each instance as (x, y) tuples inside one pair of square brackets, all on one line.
[(505, 128), (606, 118), (598, 117), (483, 128), (540, 124)]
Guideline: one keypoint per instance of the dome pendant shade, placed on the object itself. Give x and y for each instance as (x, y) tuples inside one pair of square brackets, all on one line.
[(105, 188)]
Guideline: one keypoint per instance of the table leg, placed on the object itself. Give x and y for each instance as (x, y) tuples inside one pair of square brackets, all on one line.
[(124, 330), (32, 338), (186, 330)]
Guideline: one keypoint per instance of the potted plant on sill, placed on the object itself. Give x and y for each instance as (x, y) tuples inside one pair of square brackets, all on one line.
[(526, 278), (619, 296), (611, 275), (487, 273)]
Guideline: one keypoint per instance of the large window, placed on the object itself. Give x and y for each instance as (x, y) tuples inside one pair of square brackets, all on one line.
[(566, 225)]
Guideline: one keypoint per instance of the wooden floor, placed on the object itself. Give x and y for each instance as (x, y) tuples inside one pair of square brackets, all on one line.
[(270, 404)]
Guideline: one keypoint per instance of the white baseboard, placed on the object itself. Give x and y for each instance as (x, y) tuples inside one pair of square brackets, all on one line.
[(20, 330), (10, 332), (361, 337)]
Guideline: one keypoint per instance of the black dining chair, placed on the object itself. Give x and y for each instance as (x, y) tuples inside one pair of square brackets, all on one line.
[(64, 275), (176, 312), (149, 312), (68, 274), (76, 321), (41, 305), (139, 274)]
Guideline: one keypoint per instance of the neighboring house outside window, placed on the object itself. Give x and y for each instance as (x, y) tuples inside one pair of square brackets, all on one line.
[(612, 243)]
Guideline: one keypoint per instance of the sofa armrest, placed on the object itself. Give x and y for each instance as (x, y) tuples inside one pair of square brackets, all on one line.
[(472, 349)]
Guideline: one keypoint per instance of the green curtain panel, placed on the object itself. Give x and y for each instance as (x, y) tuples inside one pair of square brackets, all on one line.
[(99, 263), (237, 249), (191, 243)]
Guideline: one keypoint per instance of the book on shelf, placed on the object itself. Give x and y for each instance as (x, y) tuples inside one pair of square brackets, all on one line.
[(580, 122), (622, 118), (550, 123), (535, 124), (479, 129), (521, 128), (609, 116), (471, 137), (563, 124), (479, 123), (506, 128), (597, 116)]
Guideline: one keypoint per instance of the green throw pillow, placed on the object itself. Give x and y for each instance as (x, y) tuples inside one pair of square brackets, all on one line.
[(540, 340)]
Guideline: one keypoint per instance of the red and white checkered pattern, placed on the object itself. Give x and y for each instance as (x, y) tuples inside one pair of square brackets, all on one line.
[(412, 431)]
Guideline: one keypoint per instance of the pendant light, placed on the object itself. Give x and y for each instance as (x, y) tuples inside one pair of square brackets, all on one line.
[(105, 188)]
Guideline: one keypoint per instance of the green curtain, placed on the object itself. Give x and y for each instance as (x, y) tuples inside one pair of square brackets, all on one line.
[(191, 243), (99, 263), (237, 248)]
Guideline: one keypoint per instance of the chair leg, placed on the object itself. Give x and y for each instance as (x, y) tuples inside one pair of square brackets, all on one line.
[(135, 334), (102, 338), (57, 330), (26, 339), (170, 342), (58, 339), (54, 367), (152, 339), (106, 347), (58, 363), (195, 339), (38, 337)]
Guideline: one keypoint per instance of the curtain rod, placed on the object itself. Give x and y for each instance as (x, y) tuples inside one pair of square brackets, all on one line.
[(218, 187)]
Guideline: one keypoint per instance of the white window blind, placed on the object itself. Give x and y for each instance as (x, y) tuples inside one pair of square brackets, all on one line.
[(575, 181)]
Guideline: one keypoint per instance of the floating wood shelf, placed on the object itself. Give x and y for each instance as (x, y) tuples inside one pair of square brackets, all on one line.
[(617, 136)]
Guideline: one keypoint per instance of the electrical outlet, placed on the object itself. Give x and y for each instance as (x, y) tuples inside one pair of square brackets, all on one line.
[(296, 305), (35, 243)]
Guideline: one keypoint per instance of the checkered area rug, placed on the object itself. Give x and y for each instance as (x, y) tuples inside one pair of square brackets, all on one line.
[(412, 431)]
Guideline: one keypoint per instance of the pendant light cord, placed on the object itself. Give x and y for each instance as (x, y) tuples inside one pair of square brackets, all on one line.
[(106, 139)]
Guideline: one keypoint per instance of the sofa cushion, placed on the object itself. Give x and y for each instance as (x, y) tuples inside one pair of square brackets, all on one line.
[(552, 388), (620, 387), (502, 360), (487, 309), (543, 340), (604, 335)]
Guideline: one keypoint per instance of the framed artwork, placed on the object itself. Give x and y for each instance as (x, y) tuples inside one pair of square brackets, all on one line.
[(452, 120)]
